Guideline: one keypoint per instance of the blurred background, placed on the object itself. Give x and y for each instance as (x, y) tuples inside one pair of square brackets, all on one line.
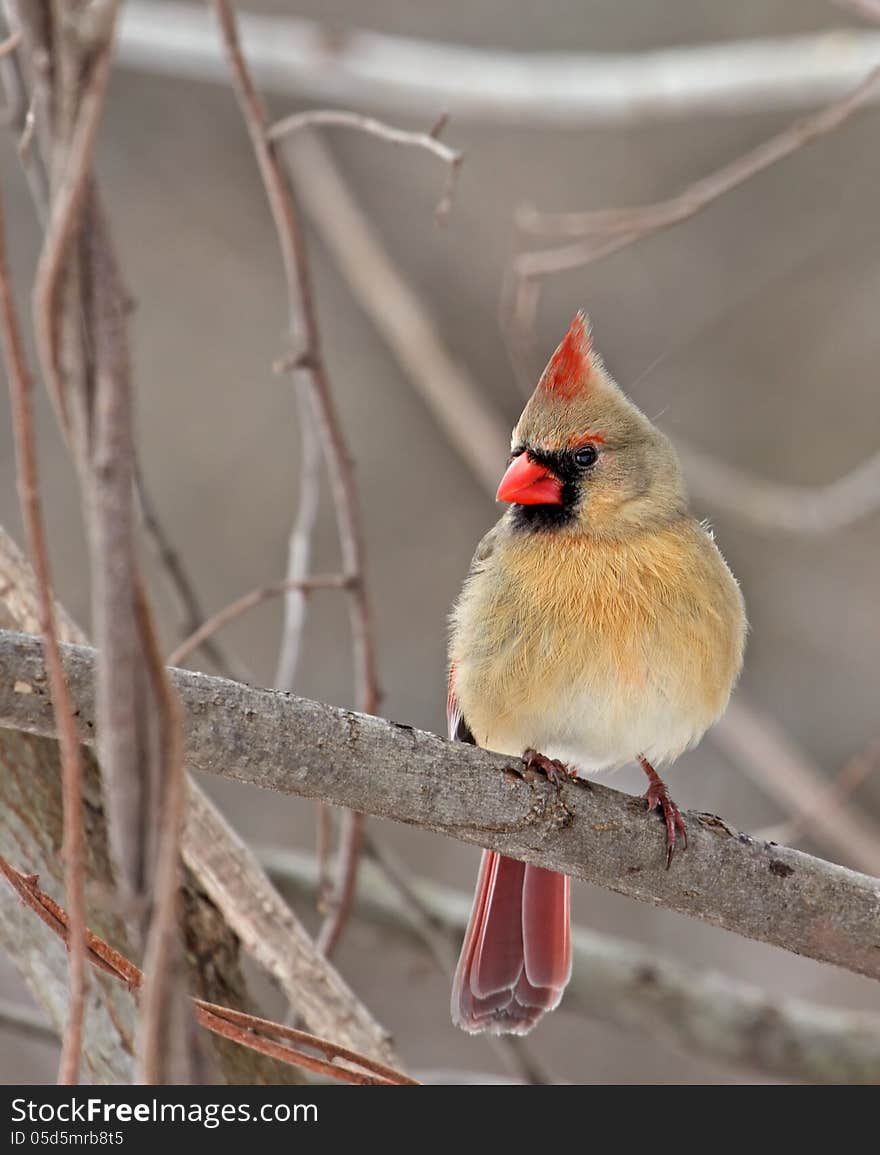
[(749, 330)]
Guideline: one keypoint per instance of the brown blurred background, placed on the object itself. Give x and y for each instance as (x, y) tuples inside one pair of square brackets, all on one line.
[(751, 330)]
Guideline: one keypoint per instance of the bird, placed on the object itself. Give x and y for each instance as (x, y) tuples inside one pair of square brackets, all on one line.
[(598, 625)]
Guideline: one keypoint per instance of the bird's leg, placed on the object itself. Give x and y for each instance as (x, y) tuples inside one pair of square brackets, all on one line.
[(554, 770), (657, 797)]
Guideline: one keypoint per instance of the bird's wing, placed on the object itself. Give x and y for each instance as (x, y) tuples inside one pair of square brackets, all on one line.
[(458, 729)]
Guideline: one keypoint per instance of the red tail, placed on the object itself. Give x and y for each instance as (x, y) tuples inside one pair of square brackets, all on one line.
[(516, 958)]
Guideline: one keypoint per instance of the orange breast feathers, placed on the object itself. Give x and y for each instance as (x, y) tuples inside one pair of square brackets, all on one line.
[(612, 630)]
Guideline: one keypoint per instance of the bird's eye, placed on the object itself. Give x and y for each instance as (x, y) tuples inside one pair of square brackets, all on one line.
[(586, 456)]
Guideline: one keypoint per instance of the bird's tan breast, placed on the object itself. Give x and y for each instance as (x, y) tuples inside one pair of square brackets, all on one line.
[(596, 650)]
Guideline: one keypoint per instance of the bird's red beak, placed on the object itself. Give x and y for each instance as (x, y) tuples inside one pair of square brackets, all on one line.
[(527, 482)]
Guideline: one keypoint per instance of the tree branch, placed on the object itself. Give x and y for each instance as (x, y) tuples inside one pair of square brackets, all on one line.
[(318, 117), (245, 1029), (21, 391), (602, 232), (396, 74), (227, 898), (296, 746), (616, 228), (306, 336), (248, 601)]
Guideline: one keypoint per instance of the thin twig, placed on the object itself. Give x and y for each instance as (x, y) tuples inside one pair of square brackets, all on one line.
[(305, 333), (246, 602), (218, 1023), (247, 1030), (299, 563), (20, 117), (318, 117), (341, 899), (65, 213), (328, 1048), (21, 391), (603, 232), (601, 225), (299, 547), (606, 231), (164, 986)]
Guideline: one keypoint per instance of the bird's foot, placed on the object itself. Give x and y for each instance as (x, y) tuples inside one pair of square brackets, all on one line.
[(657, 798), (554, 771)]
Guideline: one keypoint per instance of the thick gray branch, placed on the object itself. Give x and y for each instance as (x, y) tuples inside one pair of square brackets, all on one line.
[(280, 742)]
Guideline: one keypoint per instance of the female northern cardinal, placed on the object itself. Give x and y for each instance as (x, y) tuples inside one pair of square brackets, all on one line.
[(598, 625)]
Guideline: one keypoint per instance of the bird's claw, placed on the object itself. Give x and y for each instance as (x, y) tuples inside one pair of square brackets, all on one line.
[(555, 772), (657, 798)]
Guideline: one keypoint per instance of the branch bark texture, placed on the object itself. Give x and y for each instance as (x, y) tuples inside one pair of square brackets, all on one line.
[(279, 742)]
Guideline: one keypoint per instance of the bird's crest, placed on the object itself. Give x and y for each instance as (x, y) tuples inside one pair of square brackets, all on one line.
[(569, 369)]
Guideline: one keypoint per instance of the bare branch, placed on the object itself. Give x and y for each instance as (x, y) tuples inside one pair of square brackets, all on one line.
[(607, 231), (248, 601), (395, 74), (31, 829), (228, 900), (299, 563), (303, 324), (339, 900), (315, 118), (617, 982), (245, 1029), (299, 548), (606, 224), (278, 742), (21, 392), (163, 1051)]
